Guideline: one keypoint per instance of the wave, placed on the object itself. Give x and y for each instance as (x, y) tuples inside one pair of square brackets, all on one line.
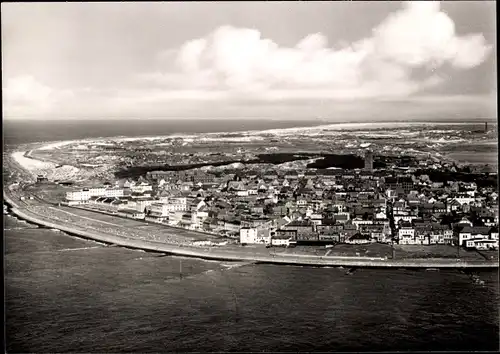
[(78, 248)]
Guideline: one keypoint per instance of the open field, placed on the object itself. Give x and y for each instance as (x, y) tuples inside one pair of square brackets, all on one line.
[(434, 251), (140, 226), (368, 250)]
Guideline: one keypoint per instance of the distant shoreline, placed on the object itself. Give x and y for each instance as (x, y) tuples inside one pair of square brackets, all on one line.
[(36, 145)]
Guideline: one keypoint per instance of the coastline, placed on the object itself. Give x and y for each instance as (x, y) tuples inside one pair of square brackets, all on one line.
[(47, 145), (221, 255)]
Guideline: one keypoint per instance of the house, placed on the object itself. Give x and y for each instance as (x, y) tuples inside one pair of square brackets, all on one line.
[(398, 218), (130, 213), (358, 238), (453, 205), (482, 244), (281, 241), (255, 236), (341, 217), (289, 234), (302, 227), (406, 234), (329, 227), (348, 231), (473, 233), (157, 217), (232, 226), (359, 221), (141, 188), (464, 199), (376, 232)]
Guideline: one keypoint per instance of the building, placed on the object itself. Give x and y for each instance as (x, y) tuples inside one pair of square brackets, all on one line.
[(281, 241), (41, 179), (473, 233), (130, 213), (114, 192), (406, 234), (78, 196), (255, 236)]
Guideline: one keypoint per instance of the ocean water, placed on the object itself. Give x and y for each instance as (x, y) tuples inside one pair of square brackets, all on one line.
[(26, 131), (29, 131), (65, 294)]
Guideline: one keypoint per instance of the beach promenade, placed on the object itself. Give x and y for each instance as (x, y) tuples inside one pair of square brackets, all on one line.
[(220, 253)]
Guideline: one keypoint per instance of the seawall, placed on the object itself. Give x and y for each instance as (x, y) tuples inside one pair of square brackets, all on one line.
[(221, 254)]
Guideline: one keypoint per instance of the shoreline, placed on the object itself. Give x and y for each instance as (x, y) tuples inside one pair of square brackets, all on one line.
[(51, 144), (220, 253), (235, 256)]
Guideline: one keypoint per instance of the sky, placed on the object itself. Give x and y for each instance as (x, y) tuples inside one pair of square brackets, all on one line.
[(337, 60)]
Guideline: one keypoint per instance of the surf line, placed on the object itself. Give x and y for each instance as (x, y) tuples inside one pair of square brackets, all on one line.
[(79, 248)]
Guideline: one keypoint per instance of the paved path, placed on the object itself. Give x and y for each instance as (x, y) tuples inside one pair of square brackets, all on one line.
[(84, 217)]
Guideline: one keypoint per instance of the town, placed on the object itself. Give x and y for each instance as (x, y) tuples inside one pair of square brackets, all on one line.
[(284, 208)]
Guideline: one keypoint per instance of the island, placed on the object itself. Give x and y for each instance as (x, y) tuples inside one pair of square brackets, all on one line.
[(393, 196)]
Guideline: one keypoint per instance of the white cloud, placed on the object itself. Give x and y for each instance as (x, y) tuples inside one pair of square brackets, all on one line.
[(240, 64), (418, 35), (25, 96)]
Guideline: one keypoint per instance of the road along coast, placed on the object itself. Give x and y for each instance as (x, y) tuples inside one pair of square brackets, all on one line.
[(243, 255)]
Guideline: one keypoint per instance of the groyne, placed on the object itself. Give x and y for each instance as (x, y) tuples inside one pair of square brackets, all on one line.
[(228, 255)]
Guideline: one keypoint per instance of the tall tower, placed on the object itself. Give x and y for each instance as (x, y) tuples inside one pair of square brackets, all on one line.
[(368, 161), (485, 127)]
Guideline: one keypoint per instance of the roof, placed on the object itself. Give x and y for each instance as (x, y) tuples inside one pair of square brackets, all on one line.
[(155, 214), (130, 211), (280, 237), (406, 224), (326, 221), (476, 230), (359, 236), (341, 217), (300, 223)]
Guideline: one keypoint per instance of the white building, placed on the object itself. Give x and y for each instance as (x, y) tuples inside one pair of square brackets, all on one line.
[(87, 193), (177, 204), (407, 218), (482, 244), (254, 236), (114, 192), (358, 221), (78, 196), (406, 236), (465, 199), (141, 188), (159, 208), (280, 241), (473, 233)]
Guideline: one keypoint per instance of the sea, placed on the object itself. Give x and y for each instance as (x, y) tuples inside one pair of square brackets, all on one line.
[(66, 294)]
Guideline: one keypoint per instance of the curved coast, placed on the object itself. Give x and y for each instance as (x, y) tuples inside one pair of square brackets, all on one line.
[(225, 255)]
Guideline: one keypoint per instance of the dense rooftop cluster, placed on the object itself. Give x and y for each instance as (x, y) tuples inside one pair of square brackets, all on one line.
[(426, 203)]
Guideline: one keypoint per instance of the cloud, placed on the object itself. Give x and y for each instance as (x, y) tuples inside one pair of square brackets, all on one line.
[(25, 96), (241, 61), (421, 34), (409, 52)]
